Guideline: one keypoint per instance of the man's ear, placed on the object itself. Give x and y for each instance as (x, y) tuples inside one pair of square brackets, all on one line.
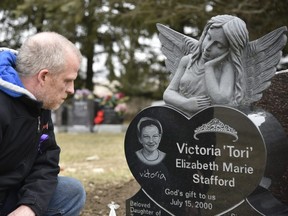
[(42, 76)]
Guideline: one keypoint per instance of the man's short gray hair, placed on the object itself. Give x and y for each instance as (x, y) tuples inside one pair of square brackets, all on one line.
[(45, 50)]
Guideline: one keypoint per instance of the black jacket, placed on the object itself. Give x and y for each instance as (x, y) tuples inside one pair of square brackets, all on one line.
[(29, 155)]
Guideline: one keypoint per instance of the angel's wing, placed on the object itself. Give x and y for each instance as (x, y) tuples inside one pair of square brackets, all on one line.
[(260, 60), (174, 46)]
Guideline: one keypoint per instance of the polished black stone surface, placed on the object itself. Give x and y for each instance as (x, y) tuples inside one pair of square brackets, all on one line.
[(221, 161)]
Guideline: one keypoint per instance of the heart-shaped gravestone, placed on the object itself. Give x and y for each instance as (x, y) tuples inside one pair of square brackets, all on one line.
[(213, 160)]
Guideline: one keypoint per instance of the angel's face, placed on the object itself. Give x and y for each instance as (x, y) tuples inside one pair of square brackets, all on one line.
[(214, 44)]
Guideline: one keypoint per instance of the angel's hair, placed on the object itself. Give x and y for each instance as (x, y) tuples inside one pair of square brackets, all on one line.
[(237, 35)]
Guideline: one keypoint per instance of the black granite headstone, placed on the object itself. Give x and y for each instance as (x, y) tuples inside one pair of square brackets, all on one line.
[(80, 112), (111, 117), (83, 112), (221, 161)]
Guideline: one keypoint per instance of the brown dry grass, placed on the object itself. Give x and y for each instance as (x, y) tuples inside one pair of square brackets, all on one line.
[(94, 157), (98, 161)]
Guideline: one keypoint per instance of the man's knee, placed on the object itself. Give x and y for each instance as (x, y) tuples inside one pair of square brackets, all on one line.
[(72, 189)]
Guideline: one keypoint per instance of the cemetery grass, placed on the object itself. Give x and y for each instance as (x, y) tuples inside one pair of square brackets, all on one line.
[(98, 161)]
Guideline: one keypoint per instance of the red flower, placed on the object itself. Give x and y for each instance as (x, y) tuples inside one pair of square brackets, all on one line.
[(119, 95), (99, 118)]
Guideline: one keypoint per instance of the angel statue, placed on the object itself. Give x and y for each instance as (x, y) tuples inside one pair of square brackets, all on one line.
[(223, 67), (112, 207)]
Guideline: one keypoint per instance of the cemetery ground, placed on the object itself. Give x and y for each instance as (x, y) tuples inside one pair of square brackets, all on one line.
[(98, 160)]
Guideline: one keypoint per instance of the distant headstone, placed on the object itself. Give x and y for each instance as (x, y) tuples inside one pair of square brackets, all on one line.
[(82, 115), (111, 117)]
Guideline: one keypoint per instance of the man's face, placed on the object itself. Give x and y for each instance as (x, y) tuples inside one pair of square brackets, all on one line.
[(58, 86)]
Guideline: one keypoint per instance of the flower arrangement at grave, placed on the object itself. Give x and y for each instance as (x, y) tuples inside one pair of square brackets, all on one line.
[(110, 102), (116, 101), (83, 94)]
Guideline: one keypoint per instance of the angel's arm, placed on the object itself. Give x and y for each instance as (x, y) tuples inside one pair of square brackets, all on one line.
[(219, 78), (171, 94), (173, 97), (220, 89)]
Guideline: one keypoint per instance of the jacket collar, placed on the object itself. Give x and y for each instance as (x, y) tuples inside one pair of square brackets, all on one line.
[(10, 82)]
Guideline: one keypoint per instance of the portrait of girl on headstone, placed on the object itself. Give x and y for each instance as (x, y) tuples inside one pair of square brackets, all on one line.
[(149, 132)]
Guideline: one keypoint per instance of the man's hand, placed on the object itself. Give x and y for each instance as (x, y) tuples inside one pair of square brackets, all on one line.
[(22, 211)]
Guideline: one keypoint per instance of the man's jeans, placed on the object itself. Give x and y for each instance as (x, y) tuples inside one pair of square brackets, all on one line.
[(68, 199)]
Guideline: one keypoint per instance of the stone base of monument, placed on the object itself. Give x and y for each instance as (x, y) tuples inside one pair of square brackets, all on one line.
[(220, 161), (79, 129), (102, 128), (110, 128)]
